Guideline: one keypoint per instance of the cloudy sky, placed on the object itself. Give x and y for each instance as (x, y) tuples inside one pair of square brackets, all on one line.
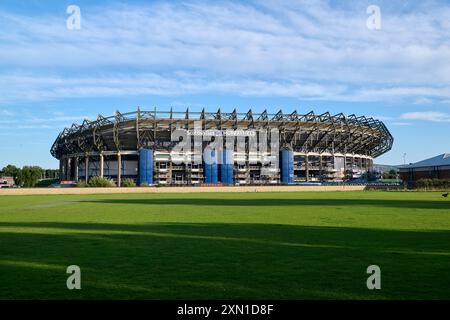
[(289, 55)]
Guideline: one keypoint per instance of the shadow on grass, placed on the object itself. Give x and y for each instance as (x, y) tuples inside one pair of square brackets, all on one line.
[(416, 204), (200, 261)]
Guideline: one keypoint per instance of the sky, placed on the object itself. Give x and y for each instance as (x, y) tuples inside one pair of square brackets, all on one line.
[(289, 55)]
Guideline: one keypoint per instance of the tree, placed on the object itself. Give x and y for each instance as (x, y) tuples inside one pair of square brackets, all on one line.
[(9, 171), (19, 179), (51, 174), (392, 175), (28, 176)]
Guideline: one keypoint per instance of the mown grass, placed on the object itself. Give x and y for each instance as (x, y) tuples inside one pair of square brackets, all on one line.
[(213, 246)]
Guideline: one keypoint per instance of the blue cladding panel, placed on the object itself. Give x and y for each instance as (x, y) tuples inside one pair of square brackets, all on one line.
[(226, 169), (146, 166), (211, 169), (230, 174), (287, 166), (214, 173), (207, 171), (223, 173), (223, 170), (228, 157), (229, 164), (214, 168)]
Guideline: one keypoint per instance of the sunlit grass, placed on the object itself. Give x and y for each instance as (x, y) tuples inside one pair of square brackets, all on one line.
[(248, 245)]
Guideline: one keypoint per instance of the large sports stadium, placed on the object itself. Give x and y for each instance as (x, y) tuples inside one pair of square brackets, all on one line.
[(141, 146)]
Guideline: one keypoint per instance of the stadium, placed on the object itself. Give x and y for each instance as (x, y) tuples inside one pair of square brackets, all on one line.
[(140, 146)]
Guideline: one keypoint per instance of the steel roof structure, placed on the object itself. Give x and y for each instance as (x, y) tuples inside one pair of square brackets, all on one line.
[(308, 132)]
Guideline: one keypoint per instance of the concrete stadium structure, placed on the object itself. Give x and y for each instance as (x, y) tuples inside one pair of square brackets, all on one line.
[(138, 145)]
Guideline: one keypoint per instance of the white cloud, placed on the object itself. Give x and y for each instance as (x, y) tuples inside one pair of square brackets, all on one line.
[(427, 116), (294, 49), (48, 122), (423, 101), (402, 124), (381, 118), (31, 88), (6, 113), (42, 126)]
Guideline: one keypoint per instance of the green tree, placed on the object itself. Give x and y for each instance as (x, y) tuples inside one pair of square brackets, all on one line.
[(9, 171), (51, 174), (392, 174), (28, 176)]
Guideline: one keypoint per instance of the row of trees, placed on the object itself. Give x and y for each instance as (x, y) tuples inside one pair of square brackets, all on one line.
[(28, 176), (432, 184), (391, 175)]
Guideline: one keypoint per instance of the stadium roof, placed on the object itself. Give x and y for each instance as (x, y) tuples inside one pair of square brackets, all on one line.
[(308, 132), (437, 161)]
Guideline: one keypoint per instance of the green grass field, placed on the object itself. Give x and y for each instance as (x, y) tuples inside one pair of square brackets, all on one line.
[(226, 245)]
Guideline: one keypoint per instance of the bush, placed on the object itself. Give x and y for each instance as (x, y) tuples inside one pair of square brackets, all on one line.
[(99, 182), (128, 183), (423, 183), (82, 184), (432, 184)]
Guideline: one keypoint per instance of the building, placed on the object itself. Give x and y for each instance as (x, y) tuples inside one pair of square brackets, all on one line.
[(6, 182), (140, 146), (437, 167)]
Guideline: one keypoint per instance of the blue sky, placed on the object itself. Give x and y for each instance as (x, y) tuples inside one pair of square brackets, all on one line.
[(289, 55)]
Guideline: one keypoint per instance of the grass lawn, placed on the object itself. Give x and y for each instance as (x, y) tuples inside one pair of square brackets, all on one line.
[(226, 245)]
